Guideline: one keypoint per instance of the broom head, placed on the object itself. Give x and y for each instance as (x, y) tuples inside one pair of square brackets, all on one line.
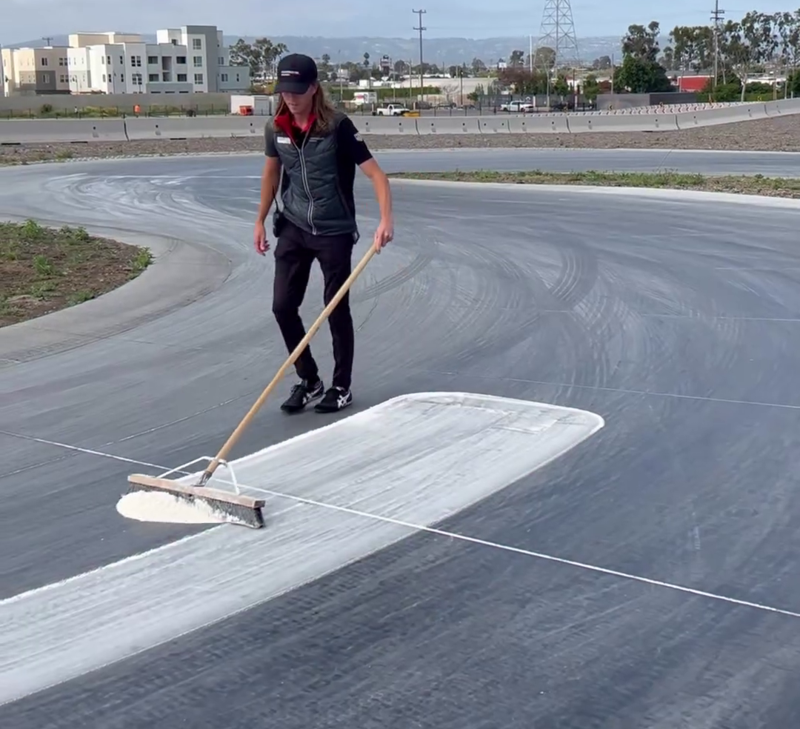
[(231, 508)]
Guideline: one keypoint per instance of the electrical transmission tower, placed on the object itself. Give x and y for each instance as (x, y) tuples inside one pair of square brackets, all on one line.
[(558, 32)]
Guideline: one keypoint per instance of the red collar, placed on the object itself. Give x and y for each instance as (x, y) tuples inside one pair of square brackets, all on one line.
[(287, 123)]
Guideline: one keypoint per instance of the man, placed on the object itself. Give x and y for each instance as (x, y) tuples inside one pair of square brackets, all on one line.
[(312, 151)]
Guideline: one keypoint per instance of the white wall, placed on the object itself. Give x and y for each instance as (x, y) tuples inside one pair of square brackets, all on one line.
[(135, 68), (78, 67), (234, 78), (198, 61), (167, 68), (7, 71), (108, 72)]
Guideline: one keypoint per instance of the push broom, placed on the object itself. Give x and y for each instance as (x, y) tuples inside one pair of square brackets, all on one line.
[(235, 507)]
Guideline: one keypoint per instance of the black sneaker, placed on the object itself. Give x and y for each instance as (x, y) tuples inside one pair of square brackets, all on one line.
[(336, 398), (302, 394)]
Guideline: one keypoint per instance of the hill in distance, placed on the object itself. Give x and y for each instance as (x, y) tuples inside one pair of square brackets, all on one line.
[(442, 51)]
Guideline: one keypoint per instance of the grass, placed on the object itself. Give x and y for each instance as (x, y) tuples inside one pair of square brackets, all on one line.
[(45, 269), (742, 184)]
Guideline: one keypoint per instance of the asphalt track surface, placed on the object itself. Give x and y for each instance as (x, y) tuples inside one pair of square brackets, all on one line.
[(674, 318)]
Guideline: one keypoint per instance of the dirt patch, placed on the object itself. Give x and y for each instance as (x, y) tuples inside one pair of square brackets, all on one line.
[(744, 185), (780, 134), (45, 269)]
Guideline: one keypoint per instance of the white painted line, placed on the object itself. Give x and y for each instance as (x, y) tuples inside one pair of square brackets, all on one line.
[(414, 460), (622, 390)]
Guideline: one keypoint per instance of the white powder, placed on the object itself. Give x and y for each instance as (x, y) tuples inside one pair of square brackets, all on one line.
[(156, 506)]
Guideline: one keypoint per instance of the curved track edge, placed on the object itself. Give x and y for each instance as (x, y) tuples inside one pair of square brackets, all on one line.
[(667, 193), (180, 274)]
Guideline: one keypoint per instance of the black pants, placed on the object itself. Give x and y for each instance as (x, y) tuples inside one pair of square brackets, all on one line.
[(295, 252)]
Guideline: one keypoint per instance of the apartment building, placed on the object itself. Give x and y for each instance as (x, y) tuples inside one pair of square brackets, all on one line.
[(209, 58), (191, 59), (129, 68), (35, 70)]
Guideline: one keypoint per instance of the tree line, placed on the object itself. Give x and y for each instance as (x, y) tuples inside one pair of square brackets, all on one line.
[(734, 50), (730, 53), (262, 56)]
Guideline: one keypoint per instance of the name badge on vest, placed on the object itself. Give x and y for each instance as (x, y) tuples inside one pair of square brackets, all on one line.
[(283, 140)]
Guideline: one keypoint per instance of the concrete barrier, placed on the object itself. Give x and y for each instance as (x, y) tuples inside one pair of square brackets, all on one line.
[(448, 125), (144, 128), (387, 124), (77, 131), (783, 106), (539, 124), (53, 131), (622, 123), (494, 124), (714, 117)]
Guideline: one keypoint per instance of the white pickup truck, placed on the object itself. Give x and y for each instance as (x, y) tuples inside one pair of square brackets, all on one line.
[(520, 107), (391, 110)]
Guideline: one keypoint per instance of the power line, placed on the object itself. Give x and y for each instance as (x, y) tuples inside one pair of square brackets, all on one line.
[(421, 28)]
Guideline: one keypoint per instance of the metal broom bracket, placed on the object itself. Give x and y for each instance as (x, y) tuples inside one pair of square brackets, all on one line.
[(222, 463)]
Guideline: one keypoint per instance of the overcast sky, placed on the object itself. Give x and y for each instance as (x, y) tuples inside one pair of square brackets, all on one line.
[(26, 20)]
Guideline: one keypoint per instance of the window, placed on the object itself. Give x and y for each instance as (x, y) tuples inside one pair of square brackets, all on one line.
[(198, 61), (122, 77), (197, 44), (104, 78), (136, 61), (60, 61), (181, 60), (224, 77), (221, 61), (153, 77), (122, 60), (182, 77), (198, 78), (152, 60), (44, 61), (108, 60)]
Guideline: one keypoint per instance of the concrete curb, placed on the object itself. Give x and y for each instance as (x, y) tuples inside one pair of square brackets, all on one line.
[(180, 274), (670, 193)]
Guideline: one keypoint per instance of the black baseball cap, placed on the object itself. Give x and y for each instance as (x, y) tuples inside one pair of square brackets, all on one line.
[(296, 72)]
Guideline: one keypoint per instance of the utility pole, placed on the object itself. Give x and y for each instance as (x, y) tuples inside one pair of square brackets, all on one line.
[(716, 16), (48, 40), (421, 27)]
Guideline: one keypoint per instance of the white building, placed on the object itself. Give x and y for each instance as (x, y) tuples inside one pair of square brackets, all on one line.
[(186, 60), (209, 66)]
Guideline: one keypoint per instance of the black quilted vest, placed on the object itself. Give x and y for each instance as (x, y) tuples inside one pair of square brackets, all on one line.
[(311, 192)]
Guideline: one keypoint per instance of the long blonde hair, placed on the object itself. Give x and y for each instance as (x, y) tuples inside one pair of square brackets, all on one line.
[(321, 108)]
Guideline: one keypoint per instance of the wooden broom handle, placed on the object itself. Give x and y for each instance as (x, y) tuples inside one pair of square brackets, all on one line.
[(298, 350)]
